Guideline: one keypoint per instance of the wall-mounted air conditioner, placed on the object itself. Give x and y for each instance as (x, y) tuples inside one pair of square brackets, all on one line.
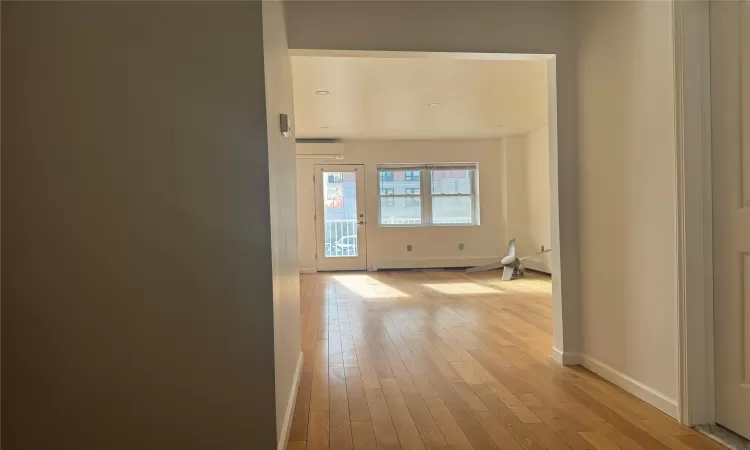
[(320, 149)]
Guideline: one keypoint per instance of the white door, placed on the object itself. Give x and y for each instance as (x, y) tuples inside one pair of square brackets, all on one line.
[(730, 117), (340, 217)]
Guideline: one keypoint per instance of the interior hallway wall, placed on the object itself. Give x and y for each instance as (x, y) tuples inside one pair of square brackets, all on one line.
[(628, 200), (516, 192), (283, 194), (539, 27), (527, 192), (137, 279), (537, 189)]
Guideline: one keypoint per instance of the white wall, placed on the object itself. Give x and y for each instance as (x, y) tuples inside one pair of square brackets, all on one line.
[(517, 195), (431, 246), (306, 213), (628, 201), (538, 27), (537, 189), (528, 196), (283, 203)]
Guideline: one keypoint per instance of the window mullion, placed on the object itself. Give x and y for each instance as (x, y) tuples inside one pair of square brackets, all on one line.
[(426, 194), (474, 196)]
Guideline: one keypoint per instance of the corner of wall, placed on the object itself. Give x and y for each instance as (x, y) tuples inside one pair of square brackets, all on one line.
[(283, 212), (290, 406)]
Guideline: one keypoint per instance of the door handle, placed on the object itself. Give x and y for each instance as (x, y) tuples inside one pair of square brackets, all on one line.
[(361, 222)]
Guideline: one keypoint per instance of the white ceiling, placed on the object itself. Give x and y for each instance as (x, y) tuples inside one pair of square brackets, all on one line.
[(388, 98)]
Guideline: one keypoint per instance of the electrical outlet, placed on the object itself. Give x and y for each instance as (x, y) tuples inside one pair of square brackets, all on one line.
[(408, 248), (461, 246)]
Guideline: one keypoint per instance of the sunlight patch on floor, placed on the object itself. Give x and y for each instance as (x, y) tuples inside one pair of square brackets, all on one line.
[(527, 286), (462, 288), (367, 287)]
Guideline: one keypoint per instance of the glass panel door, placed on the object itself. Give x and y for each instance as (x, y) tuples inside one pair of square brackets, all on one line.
[(340, 217)]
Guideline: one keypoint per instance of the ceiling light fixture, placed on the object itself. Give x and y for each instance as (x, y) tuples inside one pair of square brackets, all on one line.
[(322, 92), (434, 105)]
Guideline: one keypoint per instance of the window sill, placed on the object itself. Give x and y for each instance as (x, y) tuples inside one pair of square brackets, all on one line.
[(431, 225)]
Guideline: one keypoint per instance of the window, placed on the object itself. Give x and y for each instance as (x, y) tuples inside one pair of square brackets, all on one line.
[(452, 196), (387, 193), (434, 194), (335, 177), (386, 176), (413, 194)]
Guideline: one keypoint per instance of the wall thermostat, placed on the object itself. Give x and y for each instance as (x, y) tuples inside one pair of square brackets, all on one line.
[(286, 127)]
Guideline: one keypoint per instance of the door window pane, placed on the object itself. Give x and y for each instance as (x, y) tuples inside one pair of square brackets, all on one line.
[(340, 214)]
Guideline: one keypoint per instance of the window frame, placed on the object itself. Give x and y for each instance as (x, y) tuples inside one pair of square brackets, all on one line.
[(426, 194)]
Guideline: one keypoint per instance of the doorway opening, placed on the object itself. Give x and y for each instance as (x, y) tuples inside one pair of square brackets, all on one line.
[(425, 160)]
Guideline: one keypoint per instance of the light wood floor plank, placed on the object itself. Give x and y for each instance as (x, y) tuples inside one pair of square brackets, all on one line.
[(497, 431), (462, 371), (599, 441), (317, 431), (407, 431), (340, 430), (418, 411), (355, 393), (453, 433), (382, 424), (520, 431), (319, 389), (364, 437)]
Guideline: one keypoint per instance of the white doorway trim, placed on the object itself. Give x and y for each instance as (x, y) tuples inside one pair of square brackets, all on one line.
[(694, 212), (352, 228)]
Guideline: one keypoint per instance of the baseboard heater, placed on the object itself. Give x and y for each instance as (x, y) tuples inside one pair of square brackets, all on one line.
[(538, 271), (421, 269)]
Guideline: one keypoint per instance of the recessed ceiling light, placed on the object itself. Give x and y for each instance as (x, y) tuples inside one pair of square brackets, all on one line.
[(434, 105), (322, 92)]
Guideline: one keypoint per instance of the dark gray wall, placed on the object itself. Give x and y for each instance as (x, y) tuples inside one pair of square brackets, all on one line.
[(137, 293)]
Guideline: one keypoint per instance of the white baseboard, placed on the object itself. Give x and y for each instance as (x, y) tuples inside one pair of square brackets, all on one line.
[(301, 270), (565, 358), (291, 404), (539, 266), (427, 263), (646, 393)]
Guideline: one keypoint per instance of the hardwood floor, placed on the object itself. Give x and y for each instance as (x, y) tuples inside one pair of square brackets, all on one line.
[(444, 360)]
